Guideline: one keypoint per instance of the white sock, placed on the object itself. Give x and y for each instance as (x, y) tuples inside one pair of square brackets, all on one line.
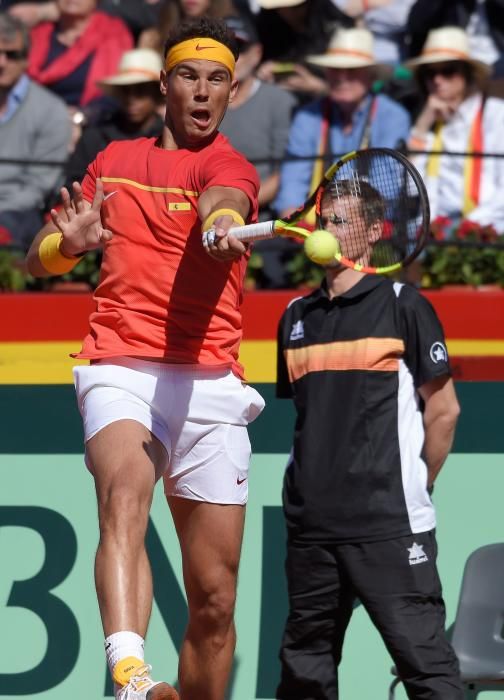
[(122, 644)]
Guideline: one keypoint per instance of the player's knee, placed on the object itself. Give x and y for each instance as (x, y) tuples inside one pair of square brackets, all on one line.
[(212, 611)]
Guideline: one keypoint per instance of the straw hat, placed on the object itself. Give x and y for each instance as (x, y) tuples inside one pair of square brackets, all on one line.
[(274, 4), (136, 66), (448, 44), (348, 48)]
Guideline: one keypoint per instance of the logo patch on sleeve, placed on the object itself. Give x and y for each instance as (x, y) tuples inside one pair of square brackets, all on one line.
[(438, 353), (179, 206)]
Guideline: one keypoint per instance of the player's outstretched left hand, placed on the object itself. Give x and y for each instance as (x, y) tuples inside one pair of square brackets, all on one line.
[(81, 226)]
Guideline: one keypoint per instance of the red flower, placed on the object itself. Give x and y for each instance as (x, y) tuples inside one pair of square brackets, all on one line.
[(483, 234), (438, 234), (489, 234), (440, 228), (5, 236), (468, 228), (442, 221), (388, 230)]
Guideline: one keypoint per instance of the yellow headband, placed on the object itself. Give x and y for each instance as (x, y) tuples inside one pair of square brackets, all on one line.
[(200, 49)]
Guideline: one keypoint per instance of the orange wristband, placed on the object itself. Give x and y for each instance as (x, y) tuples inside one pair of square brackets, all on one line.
[(51, 257)]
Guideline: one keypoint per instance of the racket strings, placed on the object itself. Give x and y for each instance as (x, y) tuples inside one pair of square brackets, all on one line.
[(373, 205)]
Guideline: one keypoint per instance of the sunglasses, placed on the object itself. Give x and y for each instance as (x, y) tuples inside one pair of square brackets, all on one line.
[(13, 54), (139, 89), (447, 70)]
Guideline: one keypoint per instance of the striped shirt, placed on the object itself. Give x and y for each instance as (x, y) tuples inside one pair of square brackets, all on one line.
[(353, 365)]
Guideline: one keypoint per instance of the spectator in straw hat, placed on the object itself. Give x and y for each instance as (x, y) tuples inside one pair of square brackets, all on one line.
[(350, 117), (457, 116), (482, 19), (135, 88)]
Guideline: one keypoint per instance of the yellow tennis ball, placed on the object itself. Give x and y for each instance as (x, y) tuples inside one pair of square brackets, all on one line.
[(321, 247)]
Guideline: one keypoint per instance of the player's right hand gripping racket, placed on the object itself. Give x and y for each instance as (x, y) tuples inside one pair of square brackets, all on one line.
[(373, 201)]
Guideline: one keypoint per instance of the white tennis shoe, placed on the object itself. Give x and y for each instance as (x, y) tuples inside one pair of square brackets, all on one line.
[(142, 687)]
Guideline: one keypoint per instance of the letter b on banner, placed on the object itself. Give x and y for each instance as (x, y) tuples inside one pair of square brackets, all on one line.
[(35, 594)]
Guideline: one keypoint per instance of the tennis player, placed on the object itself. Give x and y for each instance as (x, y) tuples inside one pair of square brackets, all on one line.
[(164, 395), (364, 360)]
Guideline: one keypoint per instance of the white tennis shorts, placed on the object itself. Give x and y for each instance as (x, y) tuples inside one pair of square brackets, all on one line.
[(200, 415)]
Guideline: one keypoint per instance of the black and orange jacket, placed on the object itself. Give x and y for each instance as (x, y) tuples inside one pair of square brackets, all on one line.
[(352, 366)]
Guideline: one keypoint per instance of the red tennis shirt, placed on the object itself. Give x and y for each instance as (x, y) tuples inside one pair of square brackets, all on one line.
[(160, 295)]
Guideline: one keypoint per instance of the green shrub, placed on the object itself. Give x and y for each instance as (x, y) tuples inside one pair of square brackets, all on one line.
[(464, 253)]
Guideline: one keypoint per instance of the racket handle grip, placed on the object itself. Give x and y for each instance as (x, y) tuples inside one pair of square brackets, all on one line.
[(250, 232)]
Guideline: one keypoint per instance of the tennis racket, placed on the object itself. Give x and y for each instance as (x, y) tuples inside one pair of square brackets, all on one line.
[(375, 204)]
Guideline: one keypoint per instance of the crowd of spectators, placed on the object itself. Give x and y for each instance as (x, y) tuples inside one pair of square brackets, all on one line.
[(316, 78)]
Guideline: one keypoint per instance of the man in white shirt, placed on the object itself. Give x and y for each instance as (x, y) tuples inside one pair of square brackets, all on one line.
[(458, 118)]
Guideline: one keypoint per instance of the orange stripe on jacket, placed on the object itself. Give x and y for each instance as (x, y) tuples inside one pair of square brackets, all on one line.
[(376, 354)]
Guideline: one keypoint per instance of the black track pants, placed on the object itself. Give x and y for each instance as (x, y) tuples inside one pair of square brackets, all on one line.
[(398, 584)]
